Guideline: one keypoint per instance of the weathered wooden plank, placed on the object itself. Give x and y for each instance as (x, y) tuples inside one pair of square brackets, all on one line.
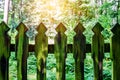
[(79, 47), (41, 51), (4, 51), (60, 51), (115, 51), (98, 51), (21, 52)]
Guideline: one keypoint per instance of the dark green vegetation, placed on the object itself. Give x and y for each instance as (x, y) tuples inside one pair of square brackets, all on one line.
[(107, 14)]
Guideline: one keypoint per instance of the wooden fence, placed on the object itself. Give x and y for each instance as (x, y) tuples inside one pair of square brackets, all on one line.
[(79, 48)]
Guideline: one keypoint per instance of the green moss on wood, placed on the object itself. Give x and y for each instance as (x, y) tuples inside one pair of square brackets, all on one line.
[(4, 51), (79, 51), (98, 52), (60, 52), (41, 51), (21, 52), (115, 51)]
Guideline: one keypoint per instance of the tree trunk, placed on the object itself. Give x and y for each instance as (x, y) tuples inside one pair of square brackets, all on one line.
[(13, 9), (20, 11), (6, 11), (118, 5)]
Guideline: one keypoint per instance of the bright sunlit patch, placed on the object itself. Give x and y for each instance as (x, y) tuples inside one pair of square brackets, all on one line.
[(72, 0), (53, 3), (50, 13), (48, 10)]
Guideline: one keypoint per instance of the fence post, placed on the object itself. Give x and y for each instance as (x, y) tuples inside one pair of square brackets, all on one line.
[(41, 51), (60, 51), (98, 51), (115, 51), (21, 51), (4, 52), (79, 51)]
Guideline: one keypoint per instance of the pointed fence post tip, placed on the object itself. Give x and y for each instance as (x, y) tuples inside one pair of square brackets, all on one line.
[(79, 28), (61, 28), (4, 26), (41, 28), (21, 25), (116, 29), (97, 28)]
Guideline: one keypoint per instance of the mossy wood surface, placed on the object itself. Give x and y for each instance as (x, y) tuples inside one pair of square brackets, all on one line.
[(41, 51), (98, 51), (4, 51), (21, 52), (60, 51), (115, 51), (79, 51)]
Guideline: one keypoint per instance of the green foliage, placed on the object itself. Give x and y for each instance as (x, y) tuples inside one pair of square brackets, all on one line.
[(1, 17), (88, 70), (12, 67), (70, 66), (51, 67), (31, 64), (107, 67)]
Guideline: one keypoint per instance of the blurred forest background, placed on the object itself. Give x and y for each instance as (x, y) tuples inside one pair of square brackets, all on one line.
[(51, 13)]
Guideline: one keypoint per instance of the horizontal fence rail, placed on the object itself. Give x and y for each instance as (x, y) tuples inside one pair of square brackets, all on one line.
[(60, 48), (31, 48)]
